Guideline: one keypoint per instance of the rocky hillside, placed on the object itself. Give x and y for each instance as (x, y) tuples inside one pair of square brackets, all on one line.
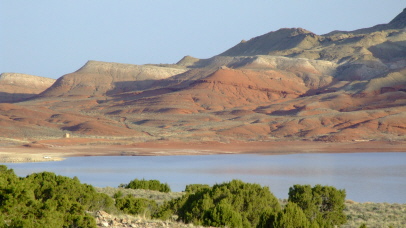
[(17, 87), (102, 78), (289, 84)]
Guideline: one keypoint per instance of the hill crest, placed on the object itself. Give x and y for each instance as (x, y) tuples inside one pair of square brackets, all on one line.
[(285, 85), (16, 87)]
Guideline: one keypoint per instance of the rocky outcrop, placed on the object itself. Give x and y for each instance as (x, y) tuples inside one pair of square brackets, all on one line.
[(280, 40), (103, 219), (358, 55)]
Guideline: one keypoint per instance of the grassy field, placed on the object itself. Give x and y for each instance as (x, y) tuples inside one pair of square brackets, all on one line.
[(374, 215)]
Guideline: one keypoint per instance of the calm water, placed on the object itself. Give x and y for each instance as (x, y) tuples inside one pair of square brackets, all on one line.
[(376, 177)]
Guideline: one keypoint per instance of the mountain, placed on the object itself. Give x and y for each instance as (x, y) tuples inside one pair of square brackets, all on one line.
[(17, 87), (398, 22), (101, 78), (289, 84)]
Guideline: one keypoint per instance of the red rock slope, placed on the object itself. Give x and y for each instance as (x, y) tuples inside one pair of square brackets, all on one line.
[(285, 85)]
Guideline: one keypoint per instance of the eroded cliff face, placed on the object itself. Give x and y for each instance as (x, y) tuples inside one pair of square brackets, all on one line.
[(290, 84), (102, 78), (357, 56)]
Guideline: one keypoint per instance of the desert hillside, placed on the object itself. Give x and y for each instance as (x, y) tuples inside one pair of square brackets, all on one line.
[(17, 87), (289, 84)]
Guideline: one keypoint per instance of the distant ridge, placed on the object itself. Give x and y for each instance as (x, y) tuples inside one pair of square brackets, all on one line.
[(17, 87), (286, 85), (280, 40), (98, 78), (399, 22), (187, 61), (26, 80)]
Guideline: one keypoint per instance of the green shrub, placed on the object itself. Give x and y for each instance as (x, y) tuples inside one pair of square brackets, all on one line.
[(223, 214), (170, 208), (267, 219), (192, 188), (233, 204), (135, 206), (118, 194), (47, 200), (292, 216), (47, 185), (323, 205), (147, 184)]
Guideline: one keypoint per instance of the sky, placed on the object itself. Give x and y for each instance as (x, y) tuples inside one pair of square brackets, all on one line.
[(51, 38)]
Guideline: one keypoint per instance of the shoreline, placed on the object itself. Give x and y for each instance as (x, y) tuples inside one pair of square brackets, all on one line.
[(59, 151)]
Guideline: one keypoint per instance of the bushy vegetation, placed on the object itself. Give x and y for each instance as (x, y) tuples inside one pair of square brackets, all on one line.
[(192, 188), (232, 204), (155, 185), (321, 204), (134, 206), (318, 206), (239, 204), (291, 216), (47, 200)]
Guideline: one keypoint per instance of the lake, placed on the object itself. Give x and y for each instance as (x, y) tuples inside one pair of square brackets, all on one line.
[(366, 177)]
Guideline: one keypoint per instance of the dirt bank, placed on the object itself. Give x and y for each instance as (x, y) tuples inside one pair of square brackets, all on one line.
[(59, 150)]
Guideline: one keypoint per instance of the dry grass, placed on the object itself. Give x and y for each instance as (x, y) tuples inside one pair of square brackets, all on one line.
[(159, 197), (375, 214)]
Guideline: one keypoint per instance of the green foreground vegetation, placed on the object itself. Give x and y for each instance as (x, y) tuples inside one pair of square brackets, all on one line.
[(48, 200), (154, 185)]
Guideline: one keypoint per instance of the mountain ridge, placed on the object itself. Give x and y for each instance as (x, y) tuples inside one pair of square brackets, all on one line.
[(288, 84), (17, 87)]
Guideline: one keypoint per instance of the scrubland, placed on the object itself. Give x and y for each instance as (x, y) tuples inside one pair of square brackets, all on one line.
[(373, 215)]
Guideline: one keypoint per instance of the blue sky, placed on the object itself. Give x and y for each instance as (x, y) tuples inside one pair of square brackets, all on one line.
[(51, 38)]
